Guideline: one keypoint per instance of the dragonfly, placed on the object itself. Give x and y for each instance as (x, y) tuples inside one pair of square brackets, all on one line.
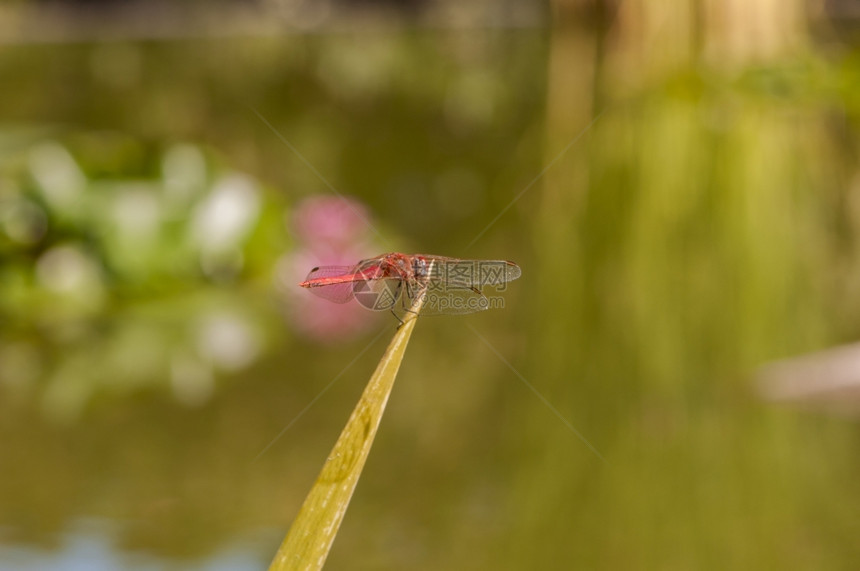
[(443, 285)]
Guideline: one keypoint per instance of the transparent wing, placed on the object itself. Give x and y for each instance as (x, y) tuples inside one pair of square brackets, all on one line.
[(334, 283), (449, 301), (453, 273)]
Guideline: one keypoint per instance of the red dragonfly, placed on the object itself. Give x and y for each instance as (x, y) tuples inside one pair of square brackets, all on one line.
[(447, 285)]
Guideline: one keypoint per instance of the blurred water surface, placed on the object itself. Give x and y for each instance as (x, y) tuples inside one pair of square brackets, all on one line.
[(152, 343)]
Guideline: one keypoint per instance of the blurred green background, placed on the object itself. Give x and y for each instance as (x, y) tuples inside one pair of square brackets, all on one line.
[(152, 343)]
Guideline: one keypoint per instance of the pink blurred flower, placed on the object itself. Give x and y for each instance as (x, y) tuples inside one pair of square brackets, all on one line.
[(330, 231), (331, 222)]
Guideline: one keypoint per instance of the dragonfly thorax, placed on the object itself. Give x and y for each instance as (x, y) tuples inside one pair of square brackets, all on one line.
[(420, 269)]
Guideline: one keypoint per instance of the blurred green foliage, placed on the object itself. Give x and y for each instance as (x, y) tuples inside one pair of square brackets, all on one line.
[(122, 281)]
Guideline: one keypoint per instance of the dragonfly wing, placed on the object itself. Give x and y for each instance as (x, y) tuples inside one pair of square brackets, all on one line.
[(329, 272), (450, 301), (323, 281), (468, 274)]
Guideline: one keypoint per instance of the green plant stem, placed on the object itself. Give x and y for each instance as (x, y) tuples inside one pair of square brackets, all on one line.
[(309, 540)]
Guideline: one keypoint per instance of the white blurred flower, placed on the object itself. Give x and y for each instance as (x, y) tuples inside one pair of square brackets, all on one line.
[(828, 380), (68, 270), (136, 210), (228, 341), (224, 218), (57, 174), (184, 171)]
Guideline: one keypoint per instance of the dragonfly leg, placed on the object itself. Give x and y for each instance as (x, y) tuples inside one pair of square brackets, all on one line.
[(406, 309), (408, 299), (397, 317)]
